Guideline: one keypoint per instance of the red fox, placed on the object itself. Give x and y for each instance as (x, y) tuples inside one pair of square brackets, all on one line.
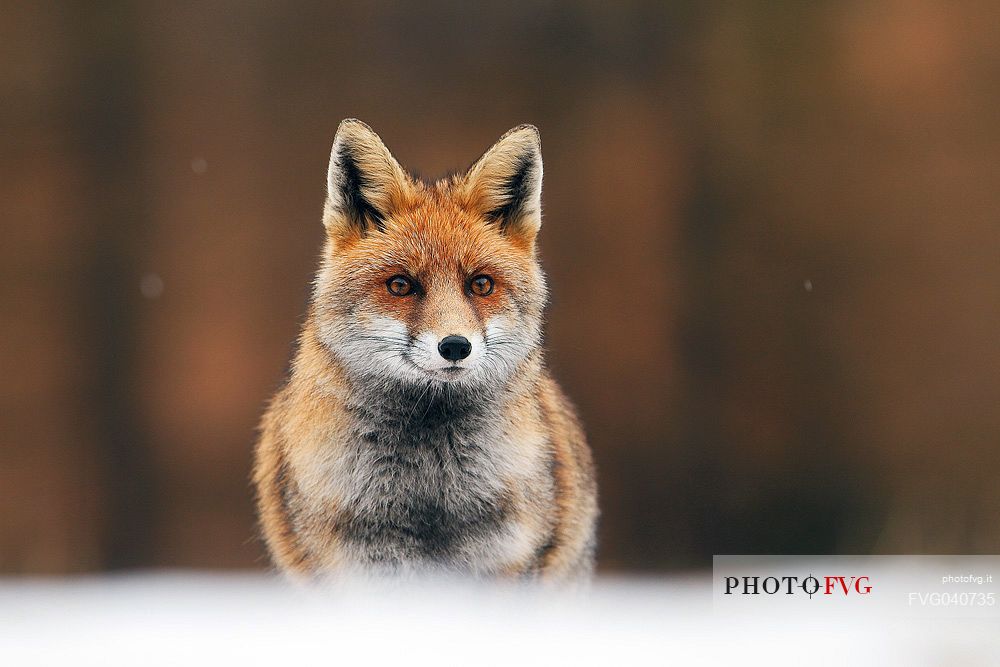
[(419, 431)]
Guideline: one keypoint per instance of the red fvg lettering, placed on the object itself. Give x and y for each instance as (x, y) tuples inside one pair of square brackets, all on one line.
[(858, 584)]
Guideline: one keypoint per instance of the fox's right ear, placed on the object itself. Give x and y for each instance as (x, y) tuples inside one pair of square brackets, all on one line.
[(364, 182), (505, 184)]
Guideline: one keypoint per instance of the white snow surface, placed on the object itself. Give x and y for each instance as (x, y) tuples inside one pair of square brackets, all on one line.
[(190, 618)]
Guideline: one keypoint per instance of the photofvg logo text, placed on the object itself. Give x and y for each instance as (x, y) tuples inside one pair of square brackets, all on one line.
[(928, 586), (830, 585)]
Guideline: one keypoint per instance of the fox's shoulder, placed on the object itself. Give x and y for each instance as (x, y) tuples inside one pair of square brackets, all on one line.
[(575, 485), (568, 441), (309, 409), (559, 411)]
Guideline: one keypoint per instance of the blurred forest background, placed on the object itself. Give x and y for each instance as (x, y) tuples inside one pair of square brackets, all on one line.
[(790, 210)]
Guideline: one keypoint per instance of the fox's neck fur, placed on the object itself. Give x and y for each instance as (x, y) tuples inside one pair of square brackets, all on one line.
[(424, 484)]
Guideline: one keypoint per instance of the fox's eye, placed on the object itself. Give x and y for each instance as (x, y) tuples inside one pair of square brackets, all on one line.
[(399, 285), (481, 285)]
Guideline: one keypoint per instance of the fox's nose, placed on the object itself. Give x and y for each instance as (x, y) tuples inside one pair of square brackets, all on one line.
[(454, 348)]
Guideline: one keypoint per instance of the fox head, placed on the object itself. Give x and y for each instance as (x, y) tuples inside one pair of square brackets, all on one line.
[(431, 284)]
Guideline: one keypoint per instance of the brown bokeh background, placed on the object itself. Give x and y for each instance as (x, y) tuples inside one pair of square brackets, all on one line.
[(772, 233)]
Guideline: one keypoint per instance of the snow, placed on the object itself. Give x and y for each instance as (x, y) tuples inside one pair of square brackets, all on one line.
[(189, 618)]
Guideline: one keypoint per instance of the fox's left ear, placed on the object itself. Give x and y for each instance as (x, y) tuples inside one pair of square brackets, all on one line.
[(505, 184), (364, 181)]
